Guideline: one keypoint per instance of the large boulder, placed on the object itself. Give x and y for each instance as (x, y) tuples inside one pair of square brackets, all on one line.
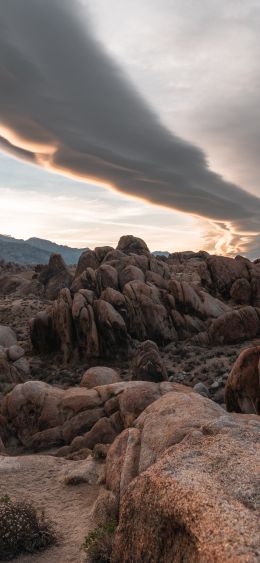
[(106, 276), (112, 330), (148, 316), (87, 259), (197, 503), (130, 244), (240, 291), (148, 364), (242, 392), (99, 375), (225, 271), (192, 300), (55, 276), (235, 326)]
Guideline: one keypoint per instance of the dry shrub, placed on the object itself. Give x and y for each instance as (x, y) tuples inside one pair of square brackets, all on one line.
[(98, 543), (22, 529)]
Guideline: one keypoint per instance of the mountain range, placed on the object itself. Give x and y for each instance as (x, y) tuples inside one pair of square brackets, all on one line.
[(35, 250)]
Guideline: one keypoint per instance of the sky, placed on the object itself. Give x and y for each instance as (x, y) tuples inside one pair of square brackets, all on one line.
[(133, 117)]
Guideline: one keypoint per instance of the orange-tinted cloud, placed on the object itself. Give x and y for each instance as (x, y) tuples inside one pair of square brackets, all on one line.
[(65, 104)]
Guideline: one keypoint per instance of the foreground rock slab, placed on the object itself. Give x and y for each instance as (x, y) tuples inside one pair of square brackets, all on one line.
[(201, 501)]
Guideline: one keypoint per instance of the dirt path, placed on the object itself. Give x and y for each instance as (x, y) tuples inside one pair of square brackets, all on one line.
[(36, 478)]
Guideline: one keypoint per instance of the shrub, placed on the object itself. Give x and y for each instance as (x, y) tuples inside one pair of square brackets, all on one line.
[(22, 529), (98, 543)]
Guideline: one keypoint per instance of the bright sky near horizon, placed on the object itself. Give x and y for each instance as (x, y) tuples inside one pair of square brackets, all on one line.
[(129, 94)]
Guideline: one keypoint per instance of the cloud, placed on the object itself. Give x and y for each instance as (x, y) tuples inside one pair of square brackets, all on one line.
[(66, 105)]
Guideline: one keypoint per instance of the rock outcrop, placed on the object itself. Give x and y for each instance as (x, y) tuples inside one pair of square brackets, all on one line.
[(148, 364), (129, 294), (55, 276), (40, 416), (196, 504), (242, 392)]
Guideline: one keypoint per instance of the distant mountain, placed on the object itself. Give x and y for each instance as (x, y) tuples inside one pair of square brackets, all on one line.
[(35, 250), (69, 254), (161, 253)]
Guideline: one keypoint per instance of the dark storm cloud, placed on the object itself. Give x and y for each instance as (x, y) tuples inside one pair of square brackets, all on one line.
[(64, 103)]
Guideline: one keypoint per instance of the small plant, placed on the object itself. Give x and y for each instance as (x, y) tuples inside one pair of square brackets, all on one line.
[(22, 529), (98, 543)]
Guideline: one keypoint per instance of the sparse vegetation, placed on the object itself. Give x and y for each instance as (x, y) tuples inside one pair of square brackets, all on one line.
[(98, 543), (22, 529)]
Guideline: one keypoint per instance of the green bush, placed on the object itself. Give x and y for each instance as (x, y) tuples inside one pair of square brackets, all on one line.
[(22, 529), (98, 543)]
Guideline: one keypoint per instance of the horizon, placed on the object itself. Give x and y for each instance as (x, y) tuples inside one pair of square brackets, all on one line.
[(106, 129)]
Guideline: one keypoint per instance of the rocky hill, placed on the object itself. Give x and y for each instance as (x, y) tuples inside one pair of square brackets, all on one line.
[(128, 377)]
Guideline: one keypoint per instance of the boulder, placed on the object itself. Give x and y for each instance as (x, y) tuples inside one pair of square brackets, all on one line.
[(235, 326), (130, 244), (106, 276), (148, 364), (240, 291), (148, 316), (197, 503), (99, 375), (55, 276), (7, 336), (87, 259), (134, 400), (130, 273), (15, 352), (169, 419), (112, 330), (88, 471), (225, 271), (242, 392), (193, 301), (102, 251)]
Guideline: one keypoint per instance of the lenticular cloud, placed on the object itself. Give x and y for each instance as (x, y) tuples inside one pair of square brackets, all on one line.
[(66, 105)]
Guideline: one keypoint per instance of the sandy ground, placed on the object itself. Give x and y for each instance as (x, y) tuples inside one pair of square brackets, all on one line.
[(36, 478)]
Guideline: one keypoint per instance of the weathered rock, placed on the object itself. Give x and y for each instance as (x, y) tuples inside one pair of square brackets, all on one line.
[(191, 300), (86, 280), (225, 271), (134, 400), (130, 273), (240, 291), (15, 352), (7, 336), (43, 337), (99, 375), (88, 259), (102, 251), (106, 276), (242, 392), (235, 326), (55, 276), (169, 419), (87, 471), (122, 461), (130, 244), (111, 329), (148, 317), (201, 389), (186, 506), (84, 324), (118, 301), (148, 364), (102, 432), (42, 415)]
